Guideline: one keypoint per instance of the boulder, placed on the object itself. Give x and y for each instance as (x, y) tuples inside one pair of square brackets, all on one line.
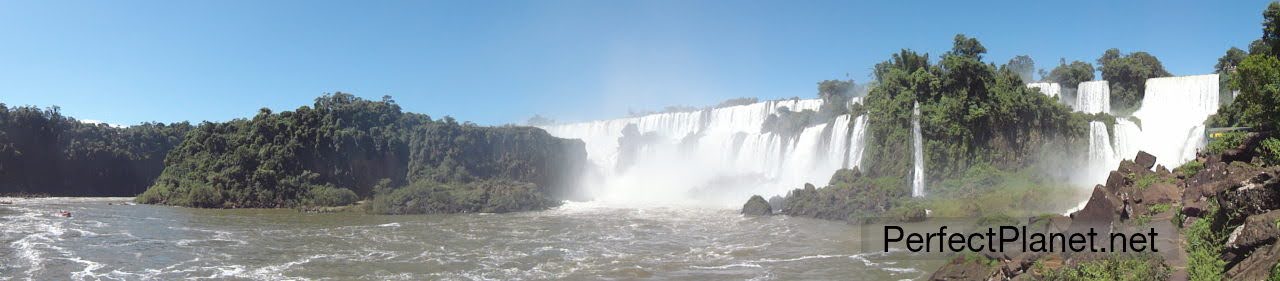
[(1116, 180), (1144, 160), (1211, 172), (777, 203), (1164, 172), (1159, 193), (1129, 167), (1257, 231), (1195, 209), (1098, 213), (1256, 195), (757, 206), (1257, 266)]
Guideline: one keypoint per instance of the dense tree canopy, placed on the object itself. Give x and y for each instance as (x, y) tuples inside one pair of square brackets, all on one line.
[(345, 147), (1230, 60), (1127, 76), (1271, 29), (972, 112), (44, 152), (1024, 66), (1256, 76), (1070, 75)]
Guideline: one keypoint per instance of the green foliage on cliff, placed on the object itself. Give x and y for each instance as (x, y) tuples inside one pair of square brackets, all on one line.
[(484, 196), (1024, 66), (848, 196), (1127, 76), (1070, 75), (44, 152), (342, 147), (971, 113), (1256, 76)]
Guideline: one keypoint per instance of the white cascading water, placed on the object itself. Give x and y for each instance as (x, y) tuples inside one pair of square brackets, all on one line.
[(1169, 123), (917, 174), (1093, 97), (1049, 89), (716, 156), (1100, 150)]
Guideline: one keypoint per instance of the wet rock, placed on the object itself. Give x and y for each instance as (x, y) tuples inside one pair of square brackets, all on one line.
[(757, 206), (1145, 160), (777, 203)]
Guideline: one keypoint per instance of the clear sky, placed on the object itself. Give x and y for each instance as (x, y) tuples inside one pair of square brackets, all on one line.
[(496, 62)]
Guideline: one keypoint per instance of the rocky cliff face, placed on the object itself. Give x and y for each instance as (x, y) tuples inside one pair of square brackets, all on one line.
[(1218, 218)]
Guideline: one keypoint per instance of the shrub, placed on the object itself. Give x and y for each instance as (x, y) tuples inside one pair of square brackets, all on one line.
[(1114, 267), (488, 196), (1190, 169), (154, 195), (1270, 151), (1203, 247), (1159, 208), (1227, 140), (204, 196), (327, 195)]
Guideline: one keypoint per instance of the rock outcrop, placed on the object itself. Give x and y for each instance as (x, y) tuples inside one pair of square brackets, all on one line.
[(757, 206)]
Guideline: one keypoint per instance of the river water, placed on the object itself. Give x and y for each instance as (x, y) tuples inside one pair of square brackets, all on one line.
[(105, 239)]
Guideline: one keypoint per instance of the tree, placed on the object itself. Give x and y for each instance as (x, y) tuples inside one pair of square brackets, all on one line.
[(835, 95), (1070, 75), (1271, 28), (1127, 75), (1259, 81), (967, 47), (344, 146), (1023, 66), (1229, 61)]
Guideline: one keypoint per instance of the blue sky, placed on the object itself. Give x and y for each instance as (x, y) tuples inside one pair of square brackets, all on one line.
[(496, 62)]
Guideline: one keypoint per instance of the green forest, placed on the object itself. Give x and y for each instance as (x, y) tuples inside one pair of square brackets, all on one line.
[(43, 152), (344, 148), (340, 150)]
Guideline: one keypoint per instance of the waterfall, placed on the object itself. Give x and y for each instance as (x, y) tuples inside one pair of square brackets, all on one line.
[(1172, 117), (1169, 123), (1049, 89), (1100, 149), (715, 156), (917, 174), (1093, 97)]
